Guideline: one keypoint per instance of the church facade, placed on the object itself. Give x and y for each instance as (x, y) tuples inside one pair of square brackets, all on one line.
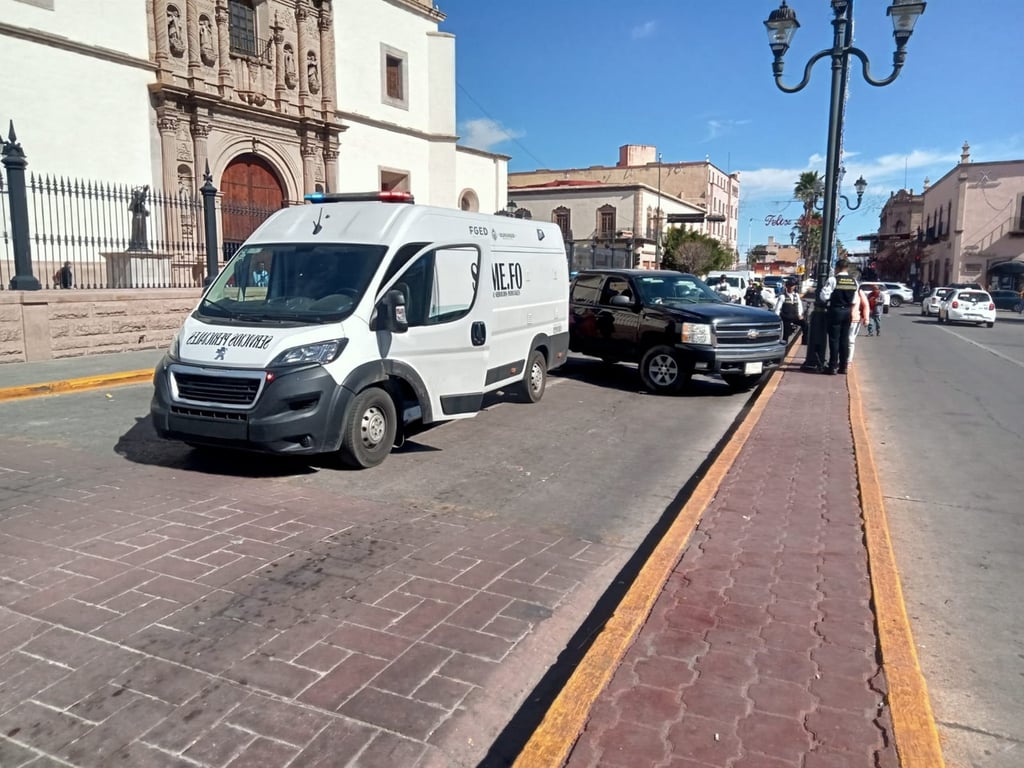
[(278, 98)]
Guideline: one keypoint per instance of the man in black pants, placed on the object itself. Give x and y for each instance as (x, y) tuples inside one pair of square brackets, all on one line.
[(839, 293)]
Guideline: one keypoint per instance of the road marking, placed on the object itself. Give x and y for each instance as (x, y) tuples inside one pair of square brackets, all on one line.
[(82, 384), (1007, 358), (550, 744), (914, 730)]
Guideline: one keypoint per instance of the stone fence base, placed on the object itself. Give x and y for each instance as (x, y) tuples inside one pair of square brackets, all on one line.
[(42, 325)]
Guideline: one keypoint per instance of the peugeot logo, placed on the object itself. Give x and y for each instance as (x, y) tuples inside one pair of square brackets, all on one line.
[(752, 333)]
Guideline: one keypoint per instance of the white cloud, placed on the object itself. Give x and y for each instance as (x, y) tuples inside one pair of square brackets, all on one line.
[(883, 174), (484, 133), (642, 30), (718, 128)]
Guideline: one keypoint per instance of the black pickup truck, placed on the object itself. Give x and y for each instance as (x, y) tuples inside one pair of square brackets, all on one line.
[(673, 325)]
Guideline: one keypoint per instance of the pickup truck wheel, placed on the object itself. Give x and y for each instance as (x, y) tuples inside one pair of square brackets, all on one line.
[(535, 377), (662, 372), (370, 432), (741, 383)]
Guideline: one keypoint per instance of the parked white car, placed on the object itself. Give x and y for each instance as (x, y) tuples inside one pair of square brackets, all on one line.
[(930, 303), (967, 305)]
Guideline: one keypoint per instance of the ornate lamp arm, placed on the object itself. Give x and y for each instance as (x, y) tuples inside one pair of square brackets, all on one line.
[(898, 58), (778, 64)]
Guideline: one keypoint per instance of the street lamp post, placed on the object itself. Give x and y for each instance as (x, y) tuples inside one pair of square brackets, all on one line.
[(782, 25), (657, 221)]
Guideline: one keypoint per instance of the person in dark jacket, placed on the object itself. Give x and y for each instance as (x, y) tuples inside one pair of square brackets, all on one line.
[(64, 277), (753, 297)]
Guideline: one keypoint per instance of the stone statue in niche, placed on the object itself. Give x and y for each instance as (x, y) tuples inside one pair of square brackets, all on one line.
[(206, 50), (291, 75), (175, 39), (312, 73)]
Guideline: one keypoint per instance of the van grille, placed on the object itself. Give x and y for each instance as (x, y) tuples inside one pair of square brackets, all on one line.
[(735, 334), (230, 390)]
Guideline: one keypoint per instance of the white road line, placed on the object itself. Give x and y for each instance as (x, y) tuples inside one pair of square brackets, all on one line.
[(987, 349)]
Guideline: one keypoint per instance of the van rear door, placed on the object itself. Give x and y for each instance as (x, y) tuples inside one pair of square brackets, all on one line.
[(447, 340)]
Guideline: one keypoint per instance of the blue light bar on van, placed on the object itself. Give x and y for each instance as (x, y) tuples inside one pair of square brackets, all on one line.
[(360, 197)]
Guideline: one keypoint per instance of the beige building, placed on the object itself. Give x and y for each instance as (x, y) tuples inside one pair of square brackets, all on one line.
[(699, 184), (896, 246), (605, 225), (972, 221)]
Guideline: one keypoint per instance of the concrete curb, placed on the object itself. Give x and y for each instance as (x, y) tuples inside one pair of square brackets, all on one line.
[(553, 740), (913, 722), (83, 384)]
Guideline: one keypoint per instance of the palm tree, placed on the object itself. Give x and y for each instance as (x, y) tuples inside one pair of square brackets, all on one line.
[(809, 187)]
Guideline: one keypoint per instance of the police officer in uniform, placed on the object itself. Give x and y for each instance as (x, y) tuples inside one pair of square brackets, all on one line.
[(838, 294), (790, 307)]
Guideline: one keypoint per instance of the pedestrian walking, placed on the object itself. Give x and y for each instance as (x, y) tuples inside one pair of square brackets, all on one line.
[(790, 307), (838, 294), (876, 306), (859, 317)]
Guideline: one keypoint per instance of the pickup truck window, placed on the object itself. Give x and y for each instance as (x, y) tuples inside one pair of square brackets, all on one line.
[(616, 286), (586, 289)]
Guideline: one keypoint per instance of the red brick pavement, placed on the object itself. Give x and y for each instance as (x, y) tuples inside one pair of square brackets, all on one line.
[(761, 651), (153, 616)]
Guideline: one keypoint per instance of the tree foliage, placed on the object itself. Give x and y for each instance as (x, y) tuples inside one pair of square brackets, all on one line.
[(693, 252)]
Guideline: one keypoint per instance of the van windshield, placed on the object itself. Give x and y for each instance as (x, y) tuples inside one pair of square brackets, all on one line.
[(299, 282)]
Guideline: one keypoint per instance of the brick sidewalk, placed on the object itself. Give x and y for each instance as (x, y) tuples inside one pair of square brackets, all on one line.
[(157, 618), (761, 651)]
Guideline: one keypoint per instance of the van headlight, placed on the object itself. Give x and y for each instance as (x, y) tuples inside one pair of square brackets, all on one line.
[(322, 352), (698, 333)]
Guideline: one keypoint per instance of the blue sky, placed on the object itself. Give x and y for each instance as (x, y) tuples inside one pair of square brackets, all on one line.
[(564, 83)]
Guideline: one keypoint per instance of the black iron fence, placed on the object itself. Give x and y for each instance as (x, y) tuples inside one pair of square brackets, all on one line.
[(62, 233)]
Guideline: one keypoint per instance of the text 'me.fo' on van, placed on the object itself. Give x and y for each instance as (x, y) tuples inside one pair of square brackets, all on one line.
[(346, 324)]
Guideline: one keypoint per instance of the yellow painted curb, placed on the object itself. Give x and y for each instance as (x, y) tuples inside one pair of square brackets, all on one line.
[(551, 742), (913, 723), (76, 385)]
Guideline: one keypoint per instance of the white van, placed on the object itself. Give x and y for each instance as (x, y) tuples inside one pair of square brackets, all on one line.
[(346, 324)]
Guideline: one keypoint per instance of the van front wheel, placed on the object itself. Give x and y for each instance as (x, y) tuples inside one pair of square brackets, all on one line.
[(535, 377), (370, 431)]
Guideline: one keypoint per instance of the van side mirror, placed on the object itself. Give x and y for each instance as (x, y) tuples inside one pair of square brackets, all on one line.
[(394, 316)]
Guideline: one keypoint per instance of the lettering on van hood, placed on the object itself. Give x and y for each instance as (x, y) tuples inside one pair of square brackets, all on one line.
[(226, 340)]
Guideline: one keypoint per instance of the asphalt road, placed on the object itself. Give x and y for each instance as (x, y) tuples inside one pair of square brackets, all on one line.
[(945, 405)]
